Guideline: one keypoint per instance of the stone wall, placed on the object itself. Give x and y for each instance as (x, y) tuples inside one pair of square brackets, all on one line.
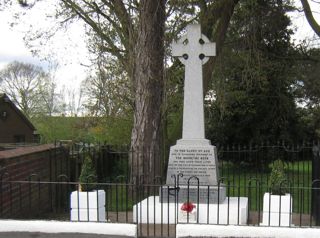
[(25, 174)]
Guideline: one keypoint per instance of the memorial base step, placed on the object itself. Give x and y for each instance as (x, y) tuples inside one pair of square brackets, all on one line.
[(195, 194), (232, 211)]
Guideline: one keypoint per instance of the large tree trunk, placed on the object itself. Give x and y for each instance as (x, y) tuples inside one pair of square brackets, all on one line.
[(148, 86)]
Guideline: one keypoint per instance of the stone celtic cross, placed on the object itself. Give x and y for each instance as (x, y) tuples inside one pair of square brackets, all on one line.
[(193, 50)]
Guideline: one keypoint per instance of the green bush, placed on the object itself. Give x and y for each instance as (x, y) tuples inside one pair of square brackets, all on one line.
[(88, 174), (278, 180)]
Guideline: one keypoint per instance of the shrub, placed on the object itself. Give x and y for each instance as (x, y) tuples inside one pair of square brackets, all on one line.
[(278, 179), (88, 174)]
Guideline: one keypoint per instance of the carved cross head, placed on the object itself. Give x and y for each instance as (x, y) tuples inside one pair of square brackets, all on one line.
[(193, 47)]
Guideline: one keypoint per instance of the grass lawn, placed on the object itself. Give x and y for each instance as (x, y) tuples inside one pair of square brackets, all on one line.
[(242, 182), (253, 184)]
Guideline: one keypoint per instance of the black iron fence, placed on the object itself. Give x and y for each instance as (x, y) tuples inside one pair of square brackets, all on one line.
[(244, 174), (252, 204), (236, 162), (239, 166)]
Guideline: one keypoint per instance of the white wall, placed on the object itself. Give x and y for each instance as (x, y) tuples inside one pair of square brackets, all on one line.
[(129, 230), (185, 230)]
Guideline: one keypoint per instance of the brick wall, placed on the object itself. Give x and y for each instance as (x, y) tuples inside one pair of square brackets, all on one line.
[(25, 180)]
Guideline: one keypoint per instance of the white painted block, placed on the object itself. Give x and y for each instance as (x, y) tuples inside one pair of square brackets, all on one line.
[(271, 210), (88, 206), (96, 214), (185, 217), (232, 211), (89, 200)]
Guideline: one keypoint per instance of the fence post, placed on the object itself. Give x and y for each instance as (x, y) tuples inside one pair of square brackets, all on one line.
[(315, 201)]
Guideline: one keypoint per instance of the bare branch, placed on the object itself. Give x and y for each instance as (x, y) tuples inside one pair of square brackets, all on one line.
[(309, 15), (95, 27)]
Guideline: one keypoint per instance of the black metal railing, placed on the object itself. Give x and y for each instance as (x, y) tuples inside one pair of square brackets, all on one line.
[(236, 162), (244, 174), (140, 204)]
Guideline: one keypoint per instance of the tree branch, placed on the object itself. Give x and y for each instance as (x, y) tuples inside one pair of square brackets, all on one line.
[(308, 13), (96, 28), (219, 35)]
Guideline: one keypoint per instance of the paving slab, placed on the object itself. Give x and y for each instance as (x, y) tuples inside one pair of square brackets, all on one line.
[(56, 235)]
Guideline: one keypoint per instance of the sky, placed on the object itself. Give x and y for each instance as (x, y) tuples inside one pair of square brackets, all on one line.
[(69, 48)]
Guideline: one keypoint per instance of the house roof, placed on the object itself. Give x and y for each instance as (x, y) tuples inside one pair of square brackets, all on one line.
[(6, 99)]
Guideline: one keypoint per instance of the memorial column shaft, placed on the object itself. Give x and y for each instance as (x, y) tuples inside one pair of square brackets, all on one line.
[(193, 111)]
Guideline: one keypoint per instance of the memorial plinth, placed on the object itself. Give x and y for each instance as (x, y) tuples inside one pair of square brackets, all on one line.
[(192, 175), (198, 161)]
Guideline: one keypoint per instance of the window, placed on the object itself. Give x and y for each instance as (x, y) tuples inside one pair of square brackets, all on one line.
[(3, 115), (19, 138)]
